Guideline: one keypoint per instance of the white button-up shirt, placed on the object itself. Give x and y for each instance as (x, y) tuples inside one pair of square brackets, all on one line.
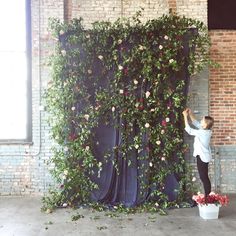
[(201, 145)]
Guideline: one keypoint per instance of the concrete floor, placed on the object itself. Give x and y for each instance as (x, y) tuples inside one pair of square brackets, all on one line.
[(21, 216)]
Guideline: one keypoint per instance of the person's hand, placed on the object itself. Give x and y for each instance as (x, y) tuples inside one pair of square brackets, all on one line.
[(190, 111), (185, 112)]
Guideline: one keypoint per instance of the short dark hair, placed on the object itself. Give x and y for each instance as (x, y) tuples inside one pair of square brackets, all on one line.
[(209, 121)]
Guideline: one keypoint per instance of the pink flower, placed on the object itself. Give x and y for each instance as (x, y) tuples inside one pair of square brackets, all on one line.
[(126, 93), (126, 71), (212, 198), (72, 137), (163, 123), (150, 34)]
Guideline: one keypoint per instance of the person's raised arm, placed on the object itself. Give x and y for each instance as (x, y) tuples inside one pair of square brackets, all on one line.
[(193, 119), (191, 115), (185, 114), (188, 129)]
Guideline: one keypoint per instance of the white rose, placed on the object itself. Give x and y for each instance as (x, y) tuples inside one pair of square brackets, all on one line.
[(87, 148), (100, 57), (194, 179), (135, 81), (171, 61), (113, 109), (158, 142), (120, 67), (147, 94), (141, 47), (66, 149), (150, 164), (61, 32), (72, 108), (90, 71), (64, 205), (147, 125), (166, 37), (152, 110), (86, 116), (99, 164), (63, 52), (167, 119), (160, 47), (162, 131), (119, 41), (136, 146), (163, 158), (121, 91)]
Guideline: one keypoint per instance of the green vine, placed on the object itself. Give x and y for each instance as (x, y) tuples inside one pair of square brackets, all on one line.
[(146, 92)]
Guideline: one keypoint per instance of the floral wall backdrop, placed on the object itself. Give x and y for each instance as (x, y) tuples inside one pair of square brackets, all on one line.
[(115, 102)]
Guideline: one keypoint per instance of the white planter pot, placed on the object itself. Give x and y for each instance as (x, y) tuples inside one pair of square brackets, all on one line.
[(209, 212)]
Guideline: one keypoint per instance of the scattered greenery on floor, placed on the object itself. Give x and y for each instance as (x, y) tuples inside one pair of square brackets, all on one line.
[(146, 90)]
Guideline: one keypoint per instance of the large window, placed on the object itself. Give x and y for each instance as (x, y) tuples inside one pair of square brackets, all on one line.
[(15, 73)]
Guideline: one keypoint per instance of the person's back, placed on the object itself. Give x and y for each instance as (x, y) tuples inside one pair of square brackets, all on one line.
[(202, 141)]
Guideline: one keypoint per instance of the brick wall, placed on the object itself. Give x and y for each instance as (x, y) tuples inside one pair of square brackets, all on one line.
[(223, 106), (193, 8), (223, 86), (22, 167)]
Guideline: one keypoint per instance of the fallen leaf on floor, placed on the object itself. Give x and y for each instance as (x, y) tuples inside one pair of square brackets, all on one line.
[(76, 217), (48, 223), (101, 227), (95, 217)]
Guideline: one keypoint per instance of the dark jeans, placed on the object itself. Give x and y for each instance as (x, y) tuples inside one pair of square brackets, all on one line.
[(203, 173)]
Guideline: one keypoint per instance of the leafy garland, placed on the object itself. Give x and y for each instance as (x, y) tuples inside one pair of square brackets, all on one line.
[(143, 58)]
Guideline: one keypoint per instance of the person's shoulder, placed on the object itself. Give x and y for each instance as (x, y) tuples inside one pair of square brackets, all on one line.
[(206, 131)]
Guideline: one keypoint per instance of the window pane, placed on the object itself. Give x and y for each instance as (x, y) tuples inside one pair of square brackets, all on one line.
[(221, 14), (13, 61), (13, 26)]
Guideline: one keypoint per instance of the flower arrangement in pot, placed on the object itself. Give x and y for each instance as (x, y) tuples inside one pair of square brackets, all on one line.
[(209, 205), (212, 198)]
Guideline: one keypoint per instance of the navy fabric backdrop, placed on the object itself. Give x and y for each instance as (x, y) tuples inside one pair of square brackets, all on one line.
[(125, 187)]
